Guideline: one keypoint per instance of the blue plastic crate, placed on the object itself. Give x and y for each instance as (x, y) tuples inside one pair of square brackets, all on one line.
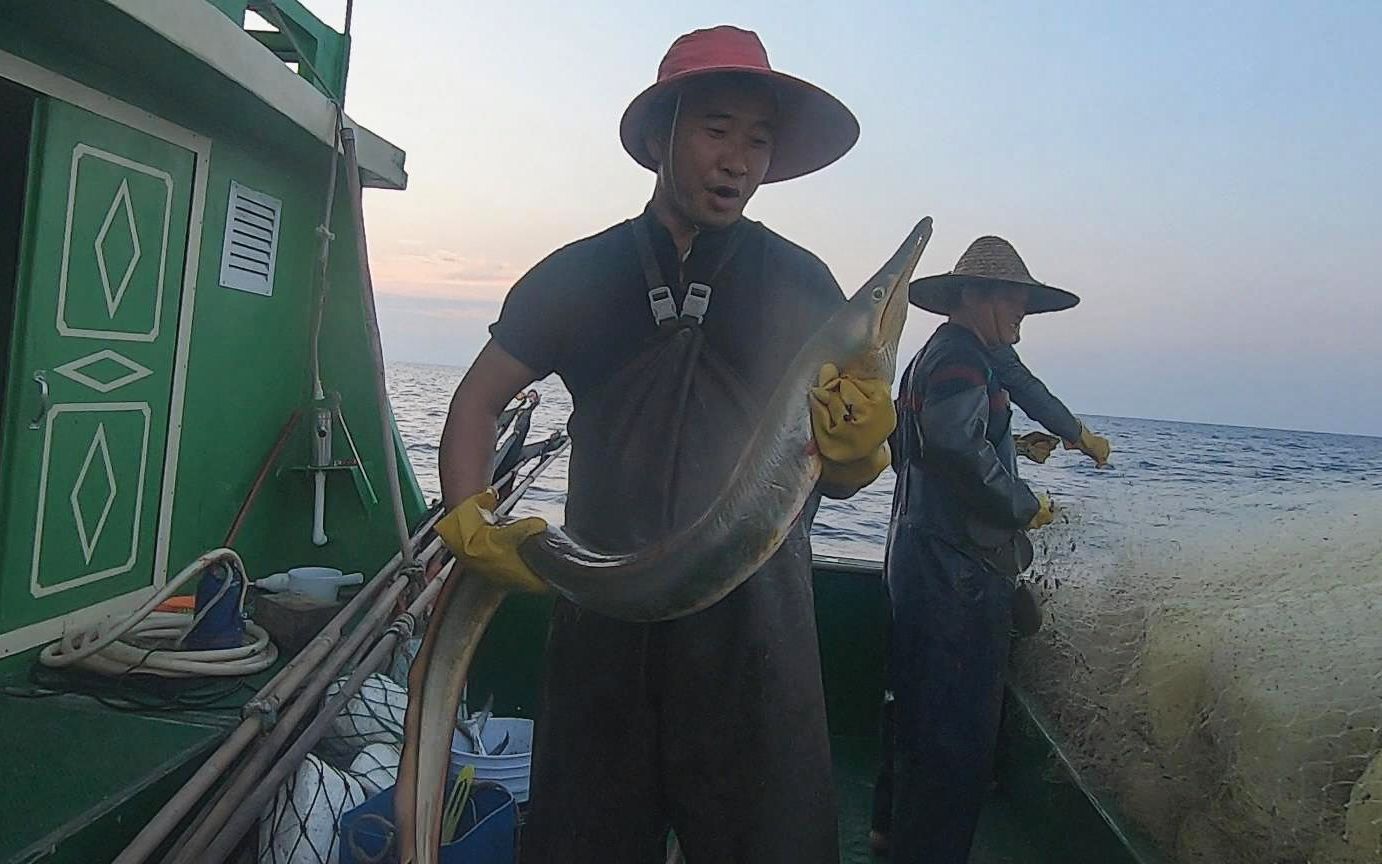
[(486, 834)]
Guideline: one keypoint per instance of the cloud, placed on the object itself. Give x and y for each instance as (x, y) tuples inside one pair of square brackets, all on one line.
[(457, 313), (438, 308), (441, 274)]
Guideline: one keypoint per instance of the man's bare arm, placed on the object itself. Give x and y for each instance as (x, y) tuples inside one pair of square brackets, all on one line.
[(468, 439)]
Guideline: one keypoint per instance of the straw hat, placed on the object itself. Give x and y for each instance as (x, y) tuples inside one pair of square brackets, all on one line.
[(989, 261), (813, 128)]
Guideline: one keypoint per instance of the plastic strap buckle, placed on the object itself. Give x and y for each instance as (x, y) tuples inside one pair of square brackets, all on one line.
[(697, 301), (663, 306)]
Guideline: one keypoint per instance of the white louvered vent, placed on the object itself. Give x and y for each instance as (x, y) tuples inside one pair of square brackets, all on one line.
[(251, 243)]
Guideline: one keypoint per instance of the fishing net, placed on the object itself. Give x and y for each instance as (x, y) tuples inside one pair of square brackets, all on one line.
[(402, 661), (300, 826), (358, 758), (1224, 688), (376, 766), (373, 715)]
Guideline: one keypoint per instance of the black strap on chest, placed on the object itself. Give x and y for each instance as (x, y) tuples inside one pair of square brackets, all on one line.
[(660, 298)]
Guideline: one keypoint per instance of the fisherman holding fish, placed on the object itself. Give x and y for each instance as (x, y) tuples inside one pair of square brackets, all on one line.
[(671, 332), (957, 542)]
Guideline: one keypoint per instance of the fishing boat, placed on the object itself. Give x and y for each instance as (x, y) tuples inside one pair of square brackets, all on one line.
[(193, 401)]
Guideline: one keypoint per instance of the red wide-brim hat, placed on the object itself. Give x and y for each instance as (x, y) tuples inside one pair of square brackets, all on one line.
[(813, 128)]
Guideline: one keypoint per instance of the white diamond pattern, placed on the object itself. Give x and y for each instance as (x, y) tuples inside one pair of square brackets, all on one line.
[(74, 371), (89, 538), (116, 295)]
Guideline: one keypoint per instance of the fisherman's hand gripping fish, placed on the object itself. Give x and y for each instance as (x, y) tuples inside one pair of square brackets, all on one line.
[(830, 415)]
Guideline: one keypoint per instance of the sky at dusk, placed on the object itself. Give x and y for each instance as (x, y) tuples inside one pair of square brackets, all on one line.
[(1207, 176)]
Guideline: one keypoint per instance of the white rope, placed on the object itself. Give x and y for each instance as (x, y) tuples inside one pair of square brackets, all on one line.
[(115, 651)]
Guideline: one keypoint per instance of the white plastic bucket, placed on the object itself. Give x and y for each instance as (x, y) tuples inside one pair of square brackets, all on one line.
[(512, 768)]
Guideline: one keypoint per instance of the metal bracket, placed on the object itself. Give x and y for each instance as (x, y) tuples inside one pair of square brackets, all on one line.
[(332, 403)]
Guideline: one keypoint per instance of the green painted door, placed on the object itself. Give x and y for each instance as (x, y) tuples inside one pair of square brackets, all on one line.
[(99, 289)]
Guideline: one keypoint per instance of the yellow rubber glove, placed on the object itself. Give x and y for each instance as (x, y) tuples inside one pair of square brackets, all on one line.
[(472, 533), (857, 474), (851, 417), (1045, 513), (1036, 446), (1096, 447)]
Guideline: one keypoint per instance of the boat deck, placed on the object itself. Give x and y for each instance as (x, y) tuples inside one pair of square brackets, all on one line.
[(85, 770), (1000, 839), (81, 778), (75, 772)]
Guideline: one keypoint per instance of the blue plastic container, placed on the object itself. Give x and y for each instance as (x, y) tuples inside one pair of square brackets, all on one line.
[(222, 624), (486, 834)]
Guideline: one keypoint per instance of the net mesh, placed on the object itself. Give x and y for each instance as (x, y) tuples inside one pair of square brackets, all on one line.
[(300, 826), (357, 759), (1225, 689)]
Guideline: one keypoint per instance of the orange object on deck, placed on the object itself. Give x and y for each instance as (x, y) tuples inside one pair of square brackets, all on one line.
[(180, 603)]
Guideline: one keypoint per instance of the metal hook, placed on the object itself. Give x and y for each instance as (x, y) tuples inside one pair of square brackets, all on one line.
[(44, 402)]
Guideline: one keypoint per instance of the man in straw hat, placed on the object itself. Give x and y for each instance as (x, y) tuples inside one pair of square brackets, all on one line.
[(956, 544), (668, 330)]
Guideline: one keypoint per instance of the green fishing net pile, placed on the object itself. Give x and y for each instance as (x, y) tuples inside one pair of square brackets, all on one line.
[(1224, 689)]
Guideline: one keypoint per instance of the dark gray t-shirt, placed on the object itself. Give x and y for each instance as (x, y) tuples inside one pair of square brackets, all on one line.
[(583, 311)]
